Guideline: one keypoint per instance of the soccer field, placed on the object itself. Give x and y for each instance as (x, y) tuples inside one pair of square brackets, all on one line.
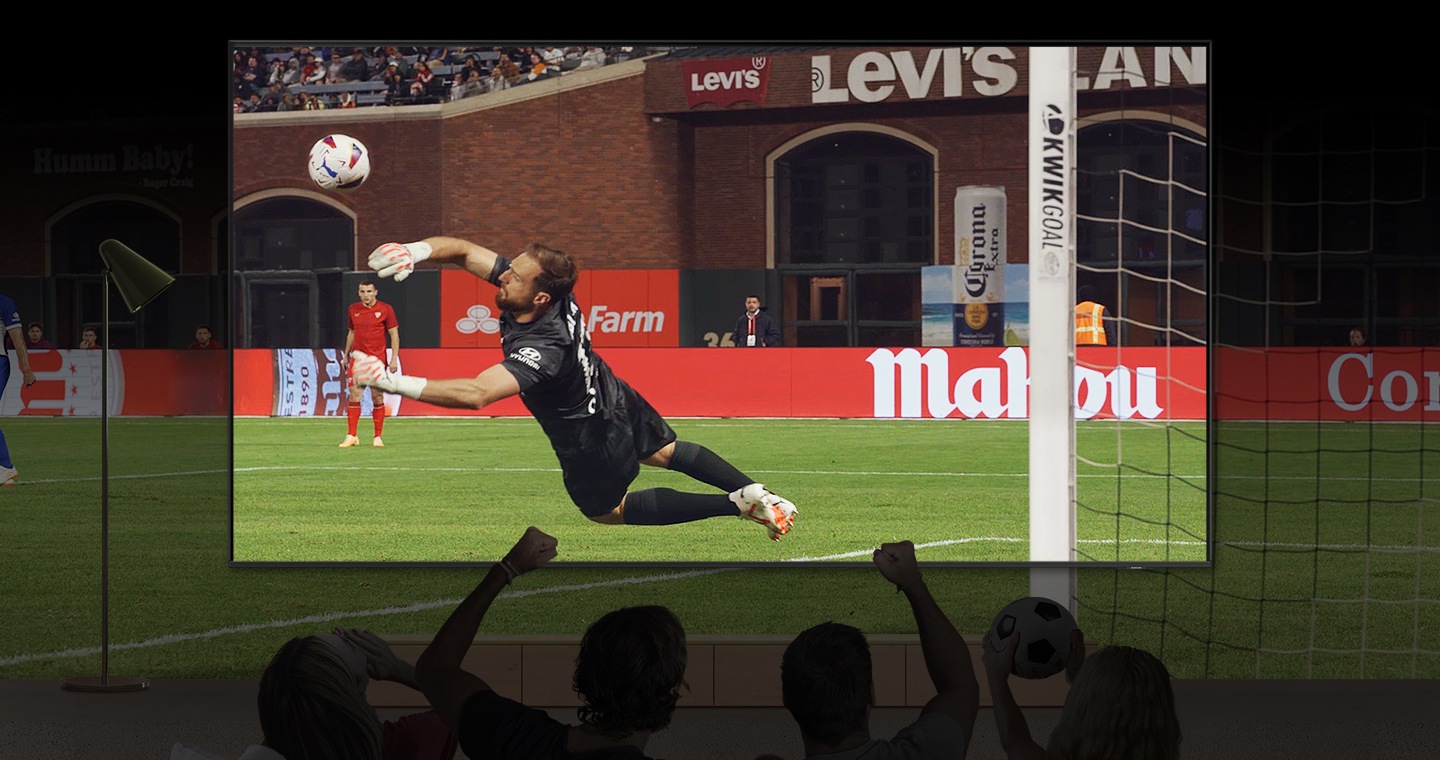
[(461, 490), (1327, 559)]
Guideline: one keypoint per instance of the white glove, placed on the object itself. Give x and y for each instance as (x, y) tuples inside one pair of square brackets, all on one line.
[(367, 370), (398, 261)]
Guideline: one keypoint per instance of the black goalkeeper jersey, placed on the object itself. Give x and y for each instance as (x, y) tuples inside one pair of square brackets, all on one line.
[(561, 378)]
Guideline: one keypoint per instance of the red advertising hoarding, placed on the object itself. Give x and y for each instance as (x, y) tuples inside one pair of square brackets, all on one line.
[(1382, 384), (1373, 384), (982, 383), (637, 308), (160, 382)]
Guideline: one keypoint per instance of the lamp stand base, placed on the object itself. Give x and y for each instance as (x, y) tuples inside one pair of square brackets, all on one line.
[(102, 684)]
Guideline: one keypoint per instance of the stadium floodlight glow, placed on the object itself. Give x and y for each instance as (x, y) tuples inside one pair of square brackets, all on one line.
[(139, 282)]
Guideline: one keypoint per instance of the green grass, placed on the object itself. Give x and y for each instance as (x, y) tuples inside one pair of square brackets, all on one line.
[(447, 490), (1328, 564)]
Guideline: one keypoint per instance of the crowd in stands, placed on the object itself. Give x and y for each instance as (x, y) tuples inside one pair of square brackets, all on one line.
[(629, 675), (312, 78)]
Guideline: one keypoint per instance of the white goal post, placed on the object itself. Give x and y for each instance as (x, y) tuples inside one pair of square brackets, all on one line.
[(1051, 181)]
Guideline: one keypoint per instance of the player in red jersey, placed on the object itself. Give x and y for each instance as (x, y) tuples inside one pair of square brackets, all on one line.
[(369, 322)]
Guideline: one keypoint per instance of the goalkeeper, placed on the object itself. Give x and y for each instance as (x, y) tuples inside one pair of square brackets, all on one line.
[(602, 430)]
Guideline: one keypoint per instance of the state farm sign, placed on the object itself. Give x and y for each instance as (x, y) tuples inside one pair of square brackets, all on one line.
[(726, 81), (621, 307)]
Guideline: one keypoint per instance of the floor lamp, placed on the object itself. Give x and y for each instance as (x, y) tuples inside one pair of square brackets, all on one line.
[(139, 282)]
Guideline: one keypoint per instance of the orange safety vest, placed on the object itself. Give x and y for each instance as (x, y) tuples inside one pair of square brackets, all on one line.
[(1089, 327)]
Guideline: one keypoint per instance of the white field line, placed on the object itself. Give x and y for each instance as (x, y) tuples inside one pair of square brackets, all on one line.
[(867, 473), (330, 617)]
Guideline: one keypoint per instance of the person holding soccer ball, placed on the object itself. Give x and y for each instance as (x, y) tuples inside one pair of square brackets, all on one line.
[(601, 429), (369, 320)]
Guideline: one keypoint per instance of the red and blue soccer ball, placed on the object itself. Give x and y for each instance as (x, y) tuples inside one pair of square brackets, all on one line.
[(339, 162)]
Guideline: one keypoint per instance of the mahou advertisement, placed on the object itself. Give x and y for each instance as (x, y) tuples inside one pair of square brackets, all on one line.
[(1300, 384), (979, 383)]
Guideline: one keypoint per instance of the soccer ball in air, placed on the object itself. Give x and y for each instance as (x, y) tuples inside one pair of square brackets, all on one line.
[(339, 162), (1043, 626)]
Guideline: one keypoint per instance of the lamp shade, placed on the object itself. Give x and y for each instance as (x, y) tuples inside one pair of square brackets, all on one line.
[(138, 280)]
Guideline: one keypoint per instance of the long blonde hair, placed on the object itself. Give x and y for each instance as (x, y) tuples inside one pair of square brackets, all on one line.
[(311, 707), (1121, 707)]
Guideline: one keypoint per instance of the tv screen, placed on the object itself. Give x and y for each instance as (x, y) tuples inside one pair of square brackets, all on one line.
[(705, 305)]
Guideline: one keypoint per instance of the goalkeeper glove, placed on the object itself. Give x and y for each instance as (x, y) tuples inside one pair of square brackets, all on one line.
[(398, 261), (369, 370)]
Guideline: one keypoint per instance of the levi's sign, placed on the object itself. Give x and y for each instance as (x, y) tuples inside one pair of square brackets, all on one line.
[(726, 81), (875, 76)]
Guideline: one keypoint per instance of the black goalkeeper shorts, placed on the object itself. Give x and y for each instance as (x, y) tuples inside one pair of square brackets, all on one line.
[(600, 457)]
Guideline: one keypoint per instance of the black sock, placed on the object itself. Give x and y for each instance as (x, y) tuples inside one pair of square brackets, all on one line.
[(707, 467), (666, 506)]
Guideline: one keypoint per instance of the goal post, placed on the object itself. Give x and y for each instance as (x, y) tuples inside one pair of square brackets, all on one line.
[(1051, 183)]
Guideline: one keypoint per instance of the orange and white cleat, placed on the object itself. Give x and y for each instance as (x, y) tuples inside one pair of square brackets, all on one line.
[(776, 513), (378, 443), (349, 441), (9, 476)]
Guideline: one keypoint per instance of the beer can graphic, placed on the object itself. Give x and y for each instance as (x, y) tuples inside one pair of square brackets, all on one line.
[(978, 281)]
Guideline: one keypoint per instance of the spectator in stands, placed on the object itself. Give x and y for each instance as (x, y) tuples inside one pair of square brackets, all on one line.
[(204, 338), (276, 73), (35, 337), (395, 85), (312, 705), (313, 72), (593, 57), (474, 84), (288, 102), (241, 105), (470, 64), (509, 71), (311, 102), (272, 97), (292, 72), (496, 79), (347, 100), (1357, 337), (435, 56), (1120, 705), (538, 68), (552, 56), (827, 685), (88, 338), (420, 85), (357, 69), (628, 675), (335, 70), (249, 77)]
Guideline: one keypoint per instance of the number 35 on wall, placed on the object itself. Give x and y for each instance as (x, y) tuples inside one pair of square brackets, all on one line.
[(720, 340)]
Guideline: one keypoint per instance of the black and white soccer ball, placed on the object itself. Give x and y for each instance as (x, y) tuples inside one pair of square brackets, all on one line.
[(1043, 626)]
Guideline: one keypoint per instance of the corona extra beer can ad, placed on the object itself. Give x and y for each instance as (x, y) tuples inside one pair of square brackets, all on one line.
[(979, 277)]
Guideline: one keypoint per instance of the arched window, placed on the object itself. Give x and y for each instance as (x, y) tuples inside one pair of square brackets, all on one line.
[(290, 254), (854, 225), (75, 262)]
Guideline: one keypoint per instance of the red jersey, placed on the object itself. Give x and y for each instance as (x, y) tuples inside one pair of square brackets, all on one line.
[(370, 323), (211, 344)]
